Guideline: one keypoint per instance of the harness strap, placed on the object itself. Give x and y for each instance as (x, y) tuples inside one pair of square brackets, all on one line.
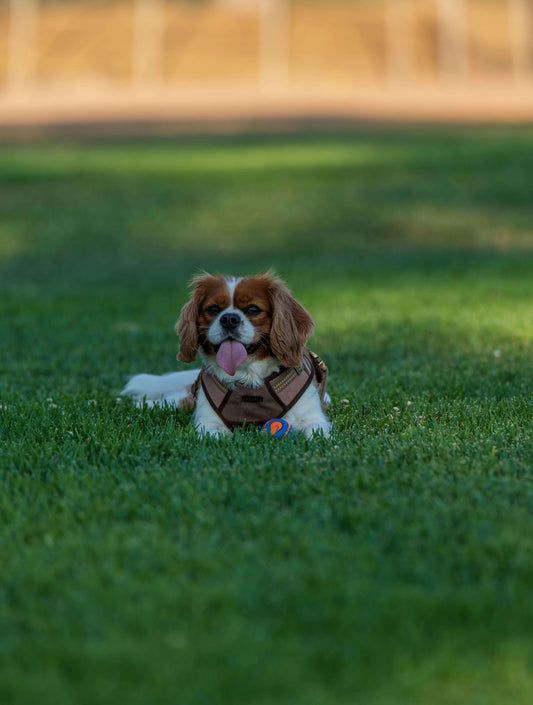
[(321, 372)]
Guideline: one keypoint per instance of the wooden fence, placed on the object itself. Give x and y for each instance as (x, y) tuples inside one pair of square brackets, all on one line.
[(132, 42), (57, 51)]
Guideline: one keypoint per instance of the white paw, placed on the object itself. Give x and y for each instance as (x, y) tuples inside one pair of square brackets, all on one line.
[(322, 429), (205, 431)]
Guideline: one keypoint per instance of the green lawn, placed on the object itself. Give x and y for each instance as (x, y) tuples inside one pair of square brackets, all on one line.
[(392, 565)]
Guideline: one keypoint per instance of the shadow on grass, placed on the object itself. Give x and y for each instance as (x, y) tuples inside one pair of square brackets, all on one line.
[(266, 197)]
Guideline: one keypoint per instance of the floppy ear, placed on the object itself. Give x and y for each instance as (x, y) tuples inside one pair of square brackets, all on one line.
[(187, 325), (291, 327), (188, 333)]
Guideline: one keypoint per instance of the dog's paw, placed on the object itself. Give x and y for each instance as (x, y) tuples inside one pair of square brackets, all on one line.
[(212, 432), (321, 429)]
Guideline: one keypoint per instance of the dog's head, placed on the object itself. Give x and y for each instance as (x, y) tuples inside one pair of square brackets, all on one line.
[(236, 319)]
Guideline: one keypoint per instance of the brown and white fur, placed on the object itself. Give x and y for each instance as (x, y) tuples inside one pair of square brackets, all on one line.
[(247, 310)]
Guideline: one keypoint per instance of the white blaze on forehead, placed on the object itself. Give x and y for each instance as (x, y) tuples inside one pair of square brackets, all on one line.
[(217, 333), (231, 283)]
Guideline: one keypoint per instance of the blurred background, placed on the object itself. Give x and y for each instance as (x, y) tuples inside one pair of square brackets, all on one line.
[(116, 61), (393, 566)]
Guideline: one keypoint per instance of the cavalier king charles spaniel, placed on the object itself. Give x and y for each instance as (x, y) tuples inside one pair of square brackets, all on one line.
[(251, 335)]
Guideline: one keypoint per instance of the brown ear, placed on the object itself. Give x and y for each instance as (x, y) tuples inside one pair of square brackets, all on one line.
[(291, 327), (187, 325)]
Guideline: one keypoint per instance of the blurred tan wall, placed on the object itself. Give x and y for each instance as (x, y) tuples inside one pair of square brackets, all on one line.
[(343, 41), (317, 47)]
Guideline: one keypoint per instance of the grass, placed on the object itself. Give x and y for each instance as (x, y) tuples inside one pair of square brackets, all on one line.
[(391, 565)]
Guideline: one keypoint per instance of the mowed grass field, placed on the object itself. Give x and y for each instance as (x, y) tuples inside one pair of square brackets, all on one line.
[(390, 565)]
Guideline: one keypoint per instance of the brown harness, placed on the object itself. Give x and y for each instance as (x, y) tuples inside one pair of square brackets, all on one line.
[(279, 393)]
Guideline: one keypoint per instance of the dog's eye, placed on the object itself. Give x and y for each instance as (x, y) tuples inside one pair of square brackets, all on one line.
[(252, 310), (213, 310)]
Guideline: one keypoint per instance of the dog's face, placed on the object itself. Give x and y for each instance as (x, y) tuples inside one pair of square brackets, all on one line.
[(239, 319)]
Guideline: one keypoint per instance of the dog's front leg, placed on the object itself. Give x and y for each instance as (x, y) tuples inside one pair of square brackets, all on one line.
[(206, 420), (307, 415)]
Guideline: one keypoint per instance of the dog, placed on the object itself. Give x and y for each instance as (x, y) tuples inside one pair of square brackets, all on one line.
[(251, 335)]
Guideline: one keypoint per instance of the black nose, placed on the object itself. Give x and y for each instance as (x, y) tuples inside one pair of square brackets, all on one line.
[(230, 321)]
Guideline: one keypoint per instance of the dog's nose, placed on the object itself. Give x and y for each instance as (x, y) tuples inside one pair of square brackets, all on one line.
[(230, 321)]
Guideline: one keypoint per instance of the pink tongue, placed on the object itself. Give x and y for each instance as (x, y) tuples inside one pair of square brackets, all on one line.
[(230, 355)]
